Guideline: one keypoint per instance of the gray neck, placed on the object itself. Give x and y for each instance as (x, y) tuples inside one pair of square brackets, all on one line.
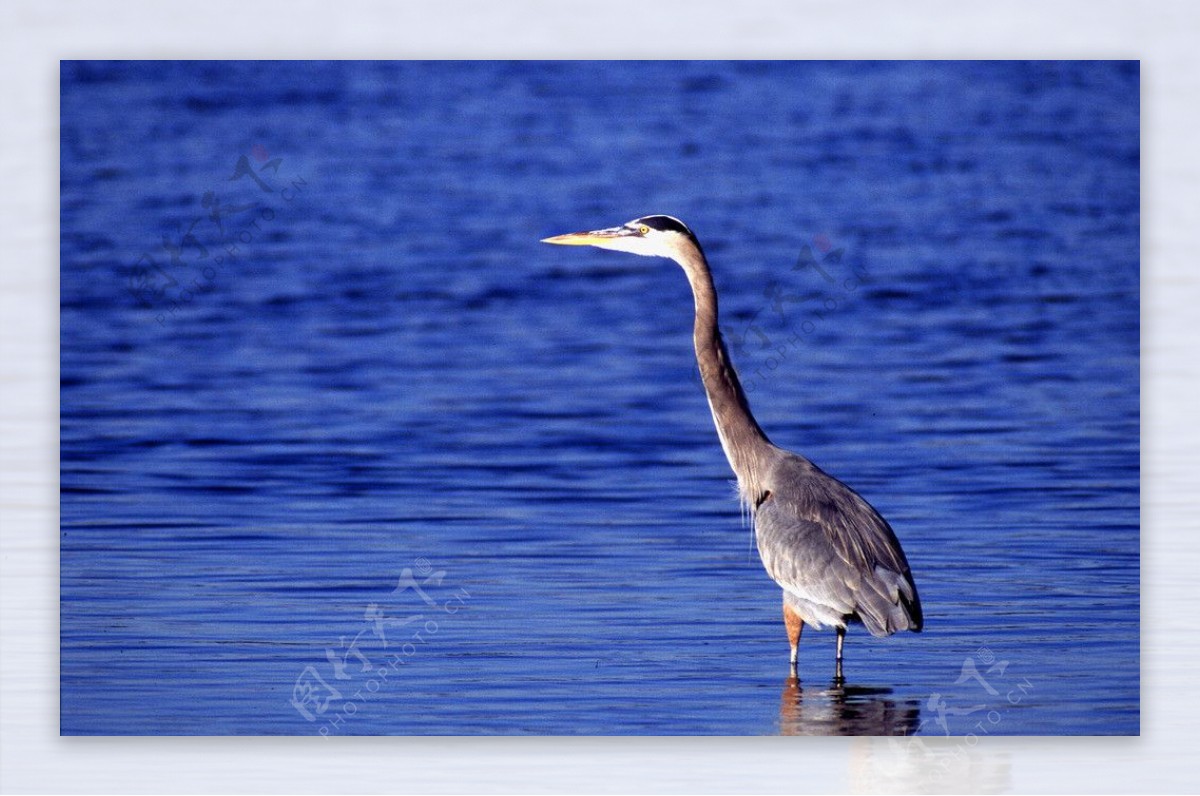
[(745, 444)]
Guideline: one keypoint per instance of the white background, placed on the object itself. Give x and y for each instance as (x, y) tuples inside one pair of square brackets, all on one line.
[(34, 36)]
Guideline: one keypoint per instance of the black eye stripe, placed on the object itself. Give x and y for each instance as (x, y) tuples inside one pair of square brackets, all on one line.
[(664, 224)]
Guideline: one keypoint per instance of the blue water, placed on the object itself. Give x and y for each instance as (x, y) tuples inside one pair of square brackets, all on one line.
[(322, 388)]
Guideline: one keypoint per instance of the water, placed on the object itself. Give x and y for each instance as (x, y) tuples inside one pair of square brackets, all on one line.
[(378, 378)]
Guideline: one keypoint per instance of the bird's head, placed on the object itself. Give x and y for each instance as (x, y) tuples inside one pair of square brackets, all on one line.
[(650, 236)]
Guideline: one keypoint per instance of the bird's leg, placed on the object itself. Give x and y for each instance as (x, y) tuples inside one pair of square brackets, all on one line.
[(794, 627), (841, 636)]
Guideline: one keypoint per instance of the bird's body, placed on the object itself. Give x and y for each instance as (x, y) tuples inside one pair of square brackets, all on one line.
[(835, 557)]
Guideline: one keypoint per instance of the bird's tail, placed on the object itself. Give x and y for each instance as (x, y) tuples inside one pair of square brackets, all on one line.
[(896, 605)]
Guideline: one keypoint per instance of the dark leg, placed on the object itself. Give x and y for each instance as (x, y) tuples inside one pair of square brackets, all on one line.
[(841, 635), (794, 627)]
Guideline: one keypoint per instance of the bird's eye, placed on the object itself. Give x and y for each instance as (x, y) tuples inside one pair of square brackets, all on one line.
[(643, 229)]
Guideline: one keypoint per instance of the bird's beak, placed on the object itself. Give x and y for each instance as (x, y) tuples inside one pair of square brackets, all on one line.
[(594, 238)]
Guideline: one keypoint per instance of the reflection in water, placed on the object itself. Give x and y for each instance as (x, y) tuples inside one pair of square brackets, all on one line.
[(844, 710), (927, 765)]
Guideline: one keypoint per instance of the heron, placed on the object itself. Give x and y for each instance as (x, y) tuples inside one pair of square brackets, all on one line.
[(836, 558)]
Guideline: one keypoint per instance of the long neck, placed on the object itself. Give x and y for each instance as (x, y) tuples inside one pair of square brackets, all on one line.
[(745, 444)]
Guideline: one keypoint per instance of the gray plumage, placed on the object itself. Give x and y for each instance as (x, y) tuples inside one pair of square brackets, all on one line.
[(835, 557)]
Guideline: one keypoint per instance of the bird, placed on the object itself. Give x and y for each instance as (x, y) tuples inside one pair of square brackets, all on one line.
[(837, 560)]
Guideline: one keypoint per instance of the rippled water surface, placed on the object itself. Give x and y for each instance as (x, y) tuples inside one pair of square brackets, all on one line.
[(323, 391)]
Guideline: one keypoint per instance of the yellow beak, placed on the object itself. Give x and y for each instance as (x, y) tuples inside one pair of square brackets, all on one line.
[(572, 239), (596, 237)]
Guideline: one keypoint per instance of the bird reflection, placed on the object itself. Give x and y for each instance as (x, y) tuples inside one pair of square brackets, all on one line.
[(844, 710), (927, 765)]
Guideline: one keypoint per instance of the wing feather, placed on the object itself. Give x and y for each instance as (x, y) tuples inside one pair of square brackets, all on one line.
[(829, 548)]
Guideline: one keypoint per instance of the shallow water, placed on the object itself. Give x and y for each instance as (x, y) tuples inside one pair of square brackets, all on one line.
[(368, 404)]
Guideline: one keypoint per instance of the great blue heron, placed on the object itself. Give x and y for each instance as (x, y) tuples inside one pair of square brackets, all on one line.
[(836, 558)]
